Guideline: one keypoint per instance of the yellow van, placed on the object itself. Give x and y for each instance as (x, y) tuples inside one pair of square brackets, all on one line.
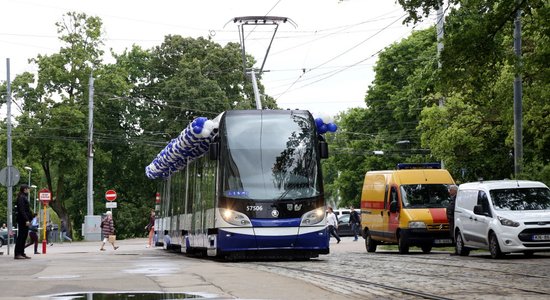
[(406, 207)]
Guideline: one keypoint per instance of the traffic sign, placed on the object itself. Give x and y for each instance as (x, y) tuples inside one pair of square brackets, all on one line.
[(110, 195), (110, 205), (157, 198), (44, 196)]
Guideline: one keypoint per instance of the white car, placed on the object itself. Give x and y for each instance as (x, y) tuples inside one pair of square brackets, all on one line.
[(502, 216)]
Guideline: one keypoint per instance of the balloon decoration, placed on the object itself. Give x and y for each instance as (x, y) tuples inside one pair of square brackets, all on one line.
[(190, 144), (325, 124)]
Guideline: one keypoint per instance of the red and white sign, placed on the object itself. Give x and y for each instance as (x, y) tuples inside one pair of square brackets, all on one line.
[(157, 198), (110, 195), (44, 196)]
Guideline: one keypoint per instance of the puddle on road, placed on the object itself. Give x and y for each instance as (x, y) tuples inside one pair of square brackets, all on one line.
[(125, 295)]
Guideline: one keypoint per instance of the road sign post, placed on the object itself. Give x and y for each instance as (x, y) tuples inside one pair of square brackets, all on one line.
[(45, 196)]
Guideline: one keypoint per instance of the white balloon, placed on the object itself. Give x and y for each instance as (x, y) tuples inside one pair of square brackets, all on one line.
[(205, 132), (326, 118), (209, 125)]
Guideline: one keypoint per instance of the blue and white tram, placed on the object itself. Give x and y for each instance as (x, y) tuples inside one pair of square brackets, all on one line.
[(250, 184)]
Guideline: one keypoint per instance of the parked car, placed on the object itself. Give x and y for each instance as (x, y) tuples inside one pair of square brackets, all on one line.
[(4, 238), (502, 216), (344, 228)]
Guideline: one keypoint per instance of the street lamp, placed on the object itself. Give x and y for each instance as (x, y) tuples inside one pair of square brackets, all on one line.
[(34, 187)]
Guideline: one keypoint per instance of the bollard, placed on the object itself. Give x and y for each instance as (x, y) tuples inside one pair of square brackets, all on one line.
[(44, 243)]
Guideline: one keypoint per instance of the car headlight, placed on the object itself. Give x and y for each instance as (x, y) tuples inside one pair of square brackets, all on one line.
[(234, 217), (417, 224), (312, 217), (506, 222)]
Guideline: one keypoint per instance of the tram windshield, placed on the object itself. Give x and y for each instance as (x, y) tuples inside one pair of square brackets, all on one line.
[(269, 155)]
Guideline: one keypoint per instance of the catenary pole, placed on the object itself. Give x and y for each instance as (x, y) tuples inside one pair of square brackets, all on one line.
[(9, 162), (440, 31), (90, 191), (518, 126)]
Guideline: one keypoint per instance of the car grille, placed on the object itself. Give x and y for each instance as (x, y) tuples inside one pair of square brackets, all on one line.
[(527, 234), (438, 227)]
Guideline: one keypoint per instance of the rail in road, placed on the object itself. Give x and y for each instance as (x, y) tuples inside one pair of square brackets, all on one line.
[(351, 271)]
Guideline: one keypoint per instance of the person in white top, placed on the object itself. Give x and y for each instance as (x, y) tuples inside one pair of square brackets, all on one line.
[(332, 223)]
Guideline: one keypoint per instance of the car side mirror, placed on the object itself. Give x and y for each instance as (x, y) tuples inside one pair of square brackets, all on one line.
[(478, 210)]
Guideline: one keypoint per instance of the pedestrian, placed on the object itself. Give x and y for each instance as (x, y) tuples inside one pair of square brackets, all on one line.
[(451, 209), (354, 222), (49, 232), (64, 235), (108, 230), (4, 227), (24, 217), (150, 228), (332, 223), (33, 233)]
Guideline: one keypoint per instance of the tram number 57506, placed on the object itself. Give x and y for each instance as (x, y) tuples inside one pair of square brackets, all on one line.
[(254, 208)]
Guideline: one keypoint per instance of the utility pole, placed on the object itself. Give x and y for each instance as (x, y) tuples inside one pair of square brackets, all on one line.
[(92, 231), (440, 31), (90, 190), (518, 126), (9, 166)]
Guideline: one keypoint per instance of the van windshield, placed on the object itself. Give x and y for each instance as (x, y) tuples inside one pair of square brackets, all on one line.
[(425, 195), (521, 199)]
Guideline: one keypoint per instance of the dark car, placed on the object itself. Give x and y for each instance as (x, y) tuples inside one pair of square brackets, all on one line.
[(344, 228)]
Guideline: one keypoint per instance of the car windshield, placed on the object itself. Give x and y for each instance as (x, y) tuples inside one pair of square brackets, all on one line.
[(521, 199), (425, 195)]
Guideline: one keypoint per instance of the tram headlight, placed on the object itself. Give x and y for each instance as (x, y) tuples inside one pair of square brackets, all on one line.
[(312, 217), (234, 217)]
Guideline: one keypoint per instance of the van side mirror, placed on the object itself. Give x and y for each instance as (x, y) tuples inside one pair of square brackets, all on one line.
[(323, 149), (478, 210), (393, 206), (213, 150)]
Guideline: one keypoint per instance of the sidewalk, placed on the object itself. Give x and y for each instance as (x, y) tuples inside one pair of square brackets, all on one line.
[(81, 267)]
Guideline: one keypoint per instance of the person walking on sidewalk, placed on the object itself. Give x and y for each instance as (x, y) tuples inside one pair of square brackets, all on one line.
[(332, 222), (24, 217), (151, 227), (64, 235), (108, 230), (33, 233)]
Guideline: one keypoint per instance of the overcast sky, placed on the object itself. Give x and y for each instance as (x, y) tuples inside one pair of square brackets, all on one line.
[(323, 65)]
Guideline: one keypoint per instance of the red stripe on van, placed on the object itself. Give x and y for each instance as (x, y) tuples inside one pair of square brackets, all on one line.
[(439, 215), (372, 204)]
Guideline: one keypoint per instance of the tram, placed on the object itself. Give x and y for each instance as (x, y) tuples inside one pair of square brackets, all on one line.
[(245, 184)]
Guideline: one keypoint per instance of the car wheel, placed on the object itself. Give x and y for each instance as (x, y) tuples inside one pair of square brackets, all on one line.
[(460, 249), (370, 243), (426, 248), (403, 245), (494, 247)]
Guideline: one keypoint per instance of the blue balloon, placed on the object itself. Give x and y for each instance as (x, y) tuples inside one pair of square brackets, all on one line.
[(332, 127), (197, 129), (200, 121), (319, 122), (322, 129)]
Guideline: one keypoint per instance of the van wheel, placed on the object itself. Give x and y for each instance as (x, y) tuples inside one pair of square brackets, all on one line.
[(460, 249), (403, 245), (426, 248), (494, 247), (370, 244)]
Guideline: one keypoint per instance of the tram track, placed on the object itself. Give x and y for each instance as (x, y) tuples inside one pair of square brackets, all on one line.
[(403, 291)]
